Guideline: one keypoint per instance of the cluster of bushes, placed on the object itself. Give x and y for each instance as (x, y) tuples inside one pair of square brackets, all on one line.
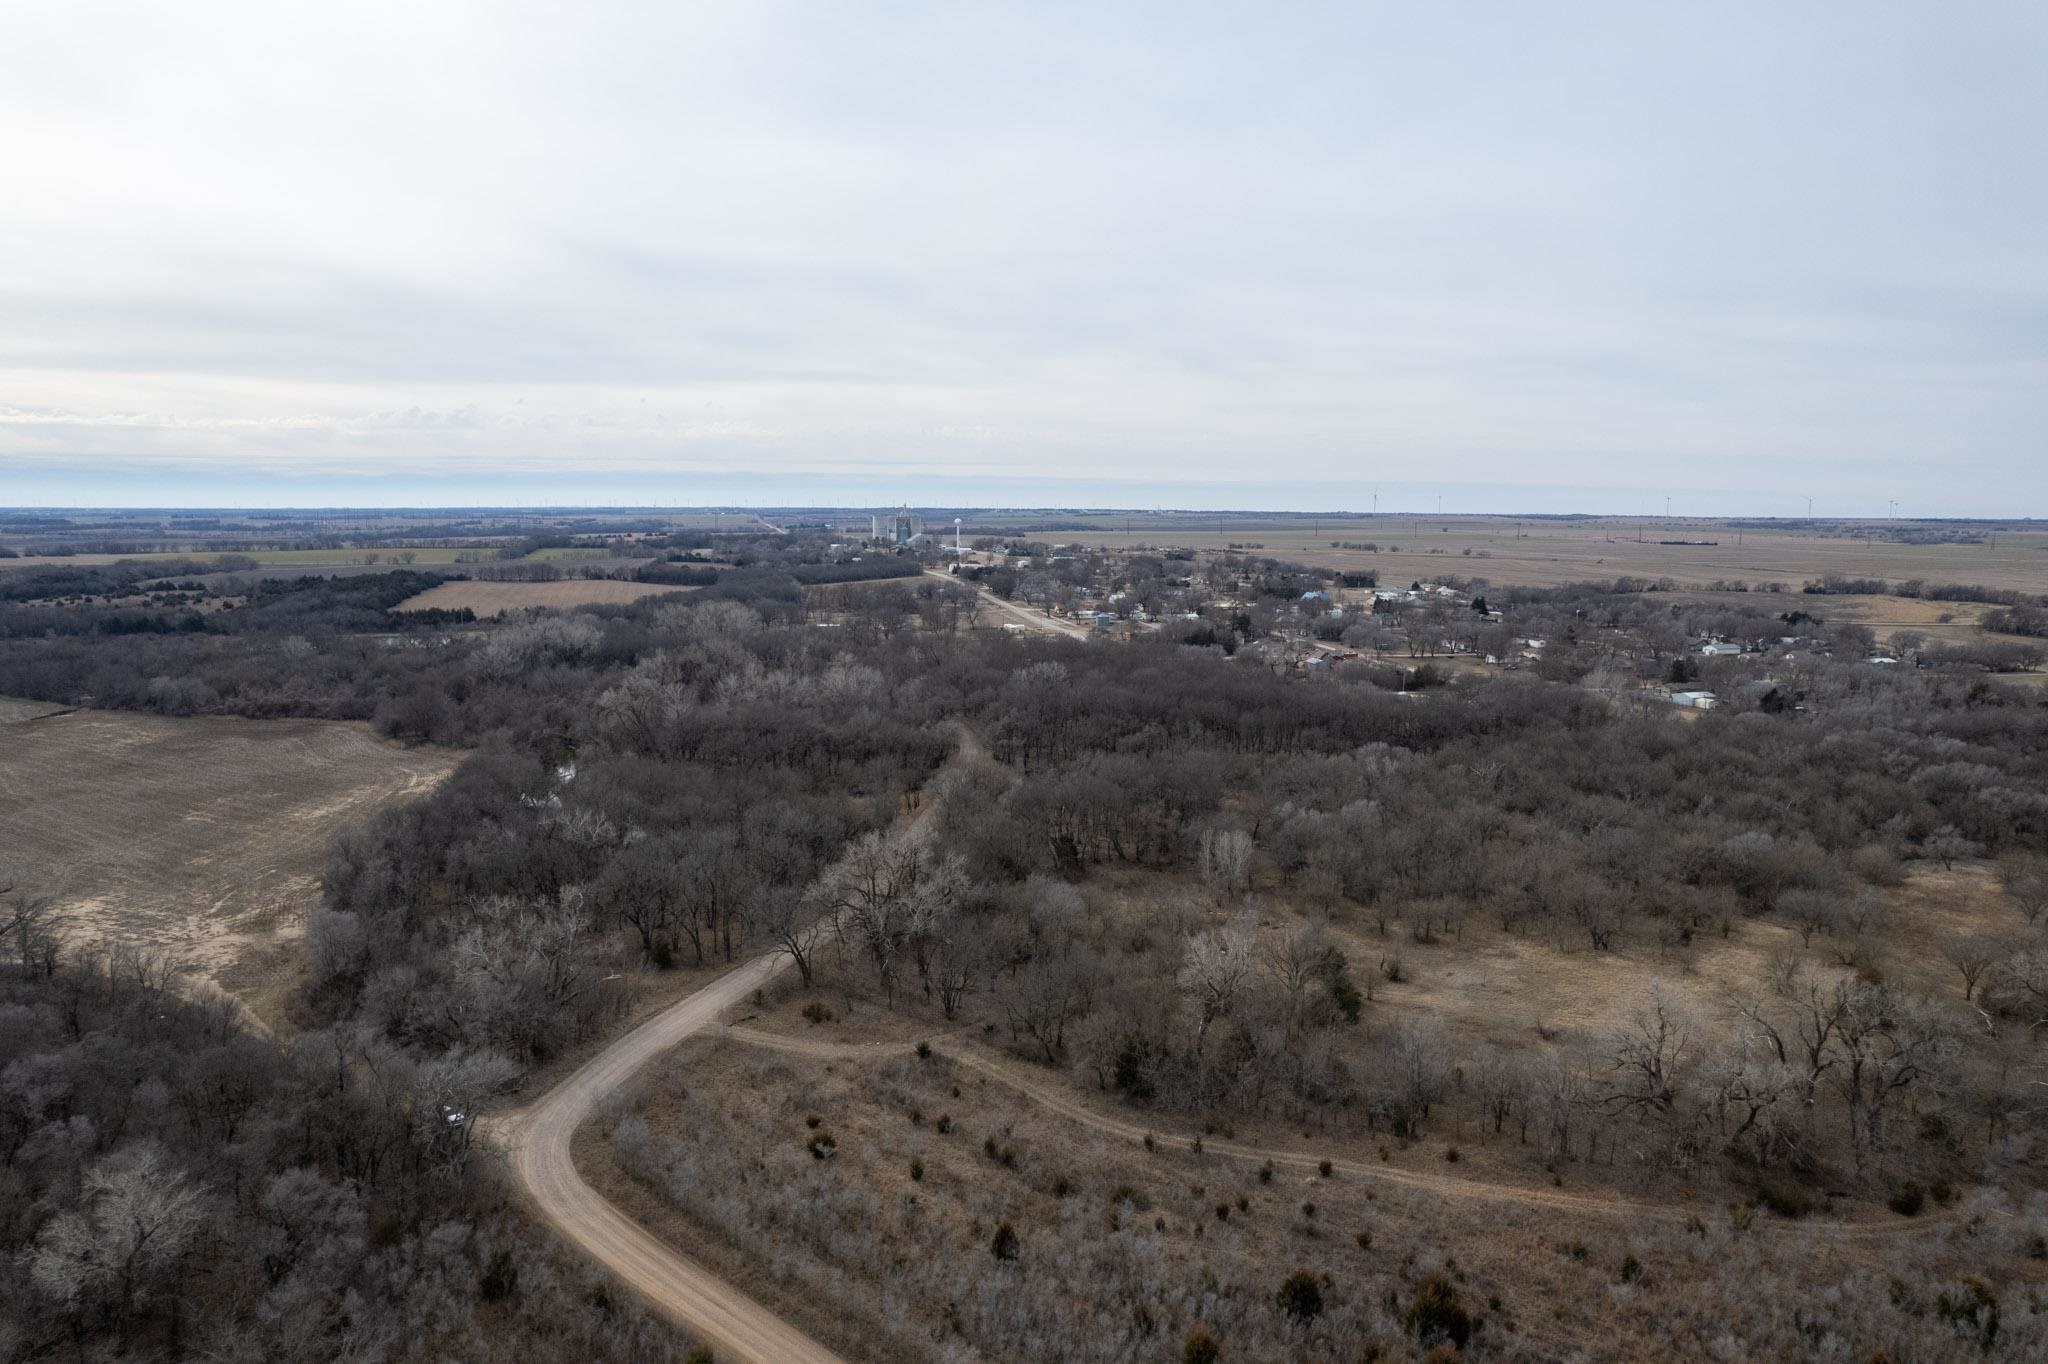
[(865, 570), (677, 573)]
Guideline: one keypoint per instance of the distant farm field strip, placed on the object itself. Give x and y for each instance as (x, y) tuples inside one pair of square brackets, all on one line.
[(268, 558), (1546, 553), (14, 710), (204, 838), (494, 599)]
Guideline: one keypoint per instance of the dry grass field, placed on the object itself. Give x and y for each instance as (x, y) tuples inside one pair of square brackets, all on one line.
[(879, 1243), (1546, 553), (1526, 993), (202, 838), (1515, 991), (490, 600), (929, 1155)]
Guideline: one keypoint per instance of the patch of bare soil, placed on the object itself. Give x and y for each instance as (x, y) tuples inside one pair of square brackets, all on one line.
[(202, 838)]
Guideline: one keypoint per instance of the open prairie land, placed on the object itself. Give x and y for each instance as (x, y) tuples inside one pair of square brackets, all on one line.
[(1546, 553), (495, 599), (203, 838)]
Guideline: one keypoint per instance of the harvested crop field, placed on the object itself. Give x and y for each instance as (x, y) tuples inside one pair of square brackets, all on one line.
[(1545, 553), (495, 599), (203, 838)]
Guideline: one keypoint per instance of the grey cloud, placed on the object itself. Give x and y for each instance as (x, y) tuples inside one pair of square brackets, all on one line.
[(1523, 245)]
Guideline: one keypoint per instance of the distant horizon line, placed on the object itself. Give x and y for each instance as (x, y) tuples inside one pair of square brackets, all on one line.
[(802, 509)]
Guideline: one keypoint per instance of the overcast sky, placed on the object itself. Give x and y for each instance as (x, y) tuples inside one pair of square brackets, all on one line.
[(1528, 257)]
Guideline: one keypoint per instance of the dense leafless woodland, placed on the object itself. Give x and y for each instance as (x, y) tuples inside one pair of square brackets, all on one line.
[(1153, 882), (172, 1187)]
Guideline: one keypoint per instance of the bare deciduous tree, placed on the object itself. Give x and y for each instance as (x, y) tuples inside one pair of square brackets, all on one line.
[(138, 1214), (521, 973), (28, 925), (1045, 998), (1754, 1100), (2026, 885), (1497, 1085), (1213, 971), (1412, 1072), (1226, 860), (793, 923), (1294, 963), (1649, 1054), (1972, 954), (1562, 1093), (1947, 846), (2022, 987), (889, 893)]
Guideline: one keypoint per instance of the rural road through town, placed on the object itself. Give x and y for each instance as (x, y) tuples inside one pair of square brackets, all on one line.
[(1024, 615), (536, 1142)]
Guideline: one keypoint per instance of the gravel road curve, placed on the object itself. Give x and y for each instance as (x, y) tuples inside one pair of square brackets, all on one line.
[(536, 1142)]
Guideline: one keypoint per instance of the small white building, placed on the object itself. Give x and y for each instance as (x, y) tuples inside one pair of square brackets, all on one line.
[(1720, 649), (1695, 700)]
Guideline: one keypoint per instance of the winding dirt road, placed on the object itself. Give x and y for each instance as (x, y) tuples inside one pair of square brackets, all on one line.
[(536, 1142)]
